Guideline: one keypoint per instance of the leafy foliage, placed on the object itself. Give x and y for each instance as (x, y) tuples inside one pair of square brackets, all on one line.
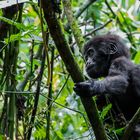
[(68, 119)]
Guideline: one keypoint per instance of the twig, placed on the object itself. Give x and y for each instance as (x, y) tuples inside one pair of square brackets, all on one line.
[(49, 102), (131, 125), (59, 91), (84, 7), (37, 92), (93, 31), (99, 28)]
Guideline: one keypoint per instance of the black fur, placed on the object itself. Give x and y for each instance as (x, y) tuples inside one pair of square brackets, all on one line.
[(107, 56)]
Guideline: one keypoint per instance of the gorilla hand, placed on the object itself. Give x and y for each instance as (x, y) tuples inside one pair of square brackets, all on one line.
[(85, 89)]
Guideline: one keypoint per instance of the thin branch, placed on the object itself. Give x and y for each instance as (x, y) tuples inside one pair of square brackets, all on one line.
[(49, 102), (21, 85), (131, 125), (37, 93), (93, 31), (84, 7), (59, 91), (77, 111), (99, 28)]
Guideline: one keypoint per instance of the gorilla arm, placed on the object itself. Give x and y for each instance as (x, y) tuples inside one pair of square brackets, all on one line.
[(110, 85), (115, 83)]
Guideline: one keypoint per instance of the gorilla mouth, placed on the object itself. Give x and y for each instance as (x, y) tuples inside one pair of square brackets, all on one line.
[(89, 68)]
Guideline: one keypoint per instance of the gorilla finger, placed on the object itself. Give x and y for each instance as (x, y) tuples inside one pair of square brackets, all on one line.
[(76, 89), (79, 84)]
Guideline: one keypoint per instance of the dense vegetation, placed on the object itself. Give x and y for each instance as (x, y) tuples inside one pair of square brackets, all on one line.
[(36, 87)]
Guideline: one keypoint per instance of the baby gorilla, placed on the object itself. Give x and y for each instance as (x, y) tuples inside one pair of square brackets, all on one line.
[(107, 56)]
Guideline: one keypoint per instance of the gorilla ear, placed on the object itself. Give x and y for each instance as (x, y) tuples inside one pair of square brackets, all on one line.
[(112, 49)]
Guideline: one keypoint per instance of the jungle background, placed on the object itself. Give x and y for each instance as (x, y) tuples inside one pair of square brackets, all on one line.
[(37, 100)]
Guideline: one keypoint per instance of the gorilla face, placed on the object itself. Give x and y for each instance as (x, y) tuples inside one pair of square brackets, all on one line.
[(97, 61), (100, 51)]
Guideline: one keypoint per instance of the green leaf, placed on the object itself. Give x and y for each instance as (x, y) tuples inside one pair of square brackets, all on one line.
[(2, 137), (137, 58), (9, 21), (106, 110), (59, 135), (119, 131), (13, 37)]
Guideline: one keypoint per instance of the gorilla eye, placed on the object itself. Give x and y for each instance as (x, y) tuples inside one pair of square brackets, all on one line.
[(90, 52)]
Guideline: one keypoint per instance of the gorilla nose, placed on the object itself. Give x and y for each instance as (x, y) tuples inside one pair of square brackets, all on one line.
[(88, 63)]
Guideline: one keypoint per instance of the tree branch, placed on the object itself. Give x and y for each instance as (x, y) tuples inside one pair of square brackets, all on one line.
[(86, 4), (73, 24), (131, 125), (55, 29)]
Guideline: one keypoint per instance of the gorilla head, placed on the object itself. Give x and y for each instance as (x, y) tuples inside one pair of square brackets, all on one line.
[(100, 51)]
